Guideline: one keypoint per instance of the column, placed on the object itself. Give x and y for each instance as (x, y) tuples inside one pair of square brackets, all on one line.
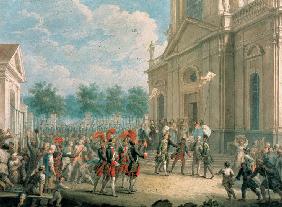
[(278, 69), (2, 101)]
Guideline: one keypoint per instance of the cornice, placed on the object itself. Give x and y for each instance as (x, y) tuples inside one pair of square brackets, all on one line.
[(20, 78)]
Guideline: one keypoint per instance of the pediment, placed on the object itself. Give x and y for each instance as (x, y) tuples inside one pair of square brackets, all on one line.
[(11, 56), (190, 33), (17, 64)]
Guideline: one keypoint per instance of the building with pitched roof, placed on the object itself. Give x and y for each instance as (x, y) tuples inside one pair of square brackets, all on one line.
[(13, 113)]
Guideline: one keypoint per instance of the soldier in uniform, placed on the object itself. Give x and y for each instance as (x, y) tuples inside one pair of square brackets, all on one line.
[(271, 176), (207, 158), (248, 181), (180, 155), (123, 160), (197, 156), (227, 180), (134, 166), (163, 149), (100, 168), (111, 167)]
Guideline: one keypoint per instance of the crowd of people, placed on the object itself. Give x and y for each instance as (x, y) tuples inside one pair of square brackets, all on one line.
[(260, 166), (50, 160)]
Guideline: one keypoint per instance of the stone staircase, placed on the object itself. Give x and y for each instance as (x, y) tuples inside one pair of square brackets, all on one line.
[(218, 159)]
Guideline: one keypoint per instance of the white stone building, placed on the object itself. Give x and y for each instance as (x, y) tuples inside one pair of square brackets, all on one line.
[(241, 42), (13, 113)]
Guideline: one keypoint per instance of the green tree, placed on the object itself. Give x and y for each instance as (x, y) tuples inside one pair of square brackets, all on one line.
[(114, 100), (44, 100), (137, 102), (89, 98), (73, 108)]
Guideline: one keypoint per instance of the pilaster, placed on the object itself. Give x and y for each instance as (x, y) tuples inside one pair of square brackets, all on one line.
[(277, 46), (2, 99)]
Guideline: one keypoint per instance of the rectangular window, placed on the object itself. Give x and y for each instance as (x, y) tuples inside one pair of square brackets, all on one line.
[(254, 101)]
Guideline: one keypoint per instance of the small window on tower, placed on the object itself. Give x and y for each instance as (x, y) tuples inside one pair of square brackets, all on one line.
[(194, 9)]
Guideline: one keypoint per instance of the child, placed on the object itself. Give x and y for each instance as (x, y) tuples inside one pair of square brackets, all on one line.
[(227, 180)]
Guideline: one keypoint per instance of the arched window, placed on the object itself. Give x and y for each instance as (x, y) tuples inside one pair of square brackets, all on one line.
[(194, 9), (160, 107), (254, 101)]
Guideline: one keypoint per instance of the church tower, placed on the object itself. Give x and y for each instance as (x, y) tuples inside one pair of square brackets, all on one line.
[(210, 11), (177, 14)]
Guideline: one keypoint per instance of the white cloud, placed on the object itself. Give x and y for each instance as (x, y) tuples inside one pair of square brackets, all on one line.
[(110, 48), (130, 33), (107, 77), (84, 10), (58, 75), (39, 26)]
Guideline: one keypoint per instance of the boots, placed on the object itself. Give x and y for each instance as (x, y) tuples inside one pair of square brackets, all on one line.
[(182, 170), (170, 171), (156, 169)]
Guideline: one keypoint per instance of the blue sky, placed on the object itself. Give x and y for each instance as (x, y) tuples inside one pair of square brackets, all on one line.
[(72, 42)]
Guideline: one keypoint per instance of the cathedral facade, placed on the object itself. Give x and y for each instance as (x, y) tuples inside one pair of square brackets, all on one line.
[(241, 42)]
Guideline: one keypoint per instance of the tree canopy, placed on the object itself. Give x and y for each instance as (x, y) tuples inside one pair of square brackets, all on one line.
[(44, 100), (89, 98), (137, 102), (114, 100)]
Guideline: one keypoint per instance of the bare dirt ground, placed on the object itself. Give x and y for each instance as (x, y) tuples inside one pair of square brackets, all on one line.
[(177, 188)]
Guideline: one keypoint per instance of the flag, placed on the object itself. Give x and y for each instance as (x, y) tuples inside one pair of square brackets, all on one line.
[(208, 77), (155, 92)]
